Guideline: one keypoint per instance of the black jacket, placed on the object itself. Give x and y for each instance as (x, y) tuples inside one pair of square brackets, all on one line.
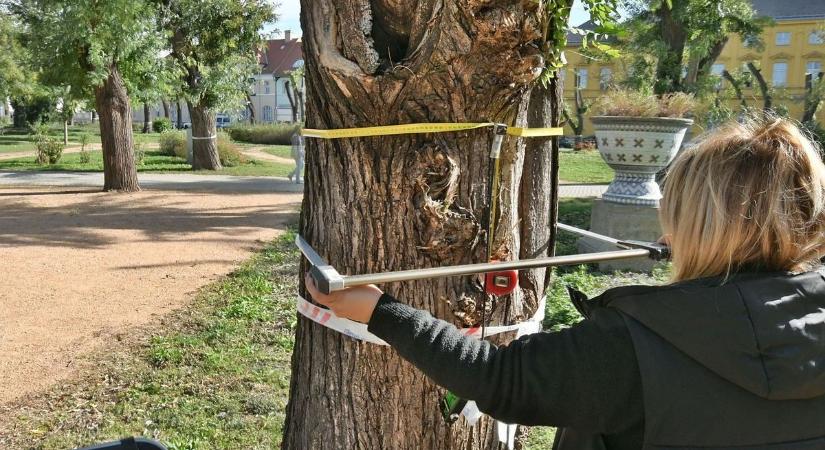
[(752, 348)]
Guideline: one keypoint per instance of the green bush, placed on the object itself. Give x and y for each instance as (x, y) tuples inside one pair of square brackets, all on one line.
[(161, 124), (140, 154), (275, 134), (173, 143), (229, 153), (84, 139), (49, 150)]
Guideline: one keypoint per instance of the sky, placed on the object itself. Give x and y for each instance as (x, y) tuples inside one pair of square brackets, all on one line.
[(289, 17)]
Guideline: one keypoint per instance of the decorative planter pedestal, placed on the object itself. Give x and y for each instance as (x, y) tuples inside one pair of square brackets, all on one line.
[(636, 148)]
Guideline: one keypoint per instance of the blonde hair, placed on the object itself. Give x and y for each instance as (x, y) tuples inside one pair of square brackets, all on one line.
[(748, 196)]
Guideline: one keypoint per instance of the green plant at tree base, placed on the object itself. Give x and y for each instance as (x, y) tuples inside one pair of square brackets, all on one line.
[(49, 150), (161, 124), (85, 157), (140, 154)]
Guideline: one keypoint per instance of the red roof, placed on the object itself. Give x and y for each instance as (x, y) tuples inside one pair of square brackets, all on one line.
[(280, 55)]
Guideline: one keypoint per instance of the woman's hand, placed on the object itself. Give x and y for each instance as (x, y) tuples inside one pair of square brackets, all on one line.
[(354, 303)]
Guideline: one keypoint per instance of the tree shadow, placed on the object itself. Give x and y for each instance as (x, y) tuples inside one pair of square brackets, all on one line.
[(93, 220)]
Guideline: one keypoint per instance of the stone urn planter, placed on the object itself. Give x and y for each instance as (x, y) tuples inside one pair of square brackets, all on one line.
[(637, 148)]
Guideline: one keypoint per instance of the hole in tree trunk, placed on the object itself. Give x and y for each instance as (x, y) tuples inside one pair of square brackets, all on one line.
[(391, 30)]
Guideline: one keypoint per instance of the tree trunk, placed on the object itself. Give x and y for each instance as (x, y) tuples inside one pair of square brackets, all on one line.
[(737, 89), (412, 201), (767, 100), (94, 116), (251, 109), (204, 138), (165, 104), (115, 110), (669, 66), (180, 114), (147, 119), (65, 132), (292, 105)]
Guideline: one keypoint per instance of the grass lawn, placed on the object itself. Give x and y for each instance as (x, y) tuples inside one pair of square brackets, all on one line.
[(12, 140), (217, 374), (284, 151), (154, 162), (584, 167)]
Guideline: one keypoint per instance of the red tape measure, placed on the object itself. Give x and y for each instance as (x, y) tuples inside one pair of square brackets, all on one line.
[(501, 283)]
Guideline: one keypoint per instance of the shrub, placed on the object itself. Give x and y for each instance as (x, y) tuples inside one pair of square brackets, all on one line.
[(140, 154), (161, 124), (630, 103), (274, 134), (229, 153), (85, 157), (173, 143), (49, 150)]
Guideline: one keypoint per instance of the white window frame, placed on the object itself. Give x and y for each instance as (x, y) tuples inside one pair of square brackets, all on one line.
[(717, 70), (816, 38), (267, 113), (774, 74), (266, 87), (783, 38)]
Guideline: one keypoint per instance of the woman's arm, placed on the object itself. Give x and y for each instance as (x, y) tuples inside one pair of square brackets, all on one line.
[(584, 377)]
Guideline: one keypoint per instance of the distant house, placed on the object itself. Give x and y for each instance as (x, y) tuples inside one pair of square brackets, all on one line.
[(269, 95)]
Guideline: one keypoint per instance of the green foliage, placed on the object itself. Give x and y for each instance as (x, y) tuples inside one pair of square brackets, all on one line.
[(681, 40), (555, 19), (214, 47), (272, 134), (173, 143), (77, 44), (161, 124), (140, 154), (49, 149), (229, 153), (13, 73)]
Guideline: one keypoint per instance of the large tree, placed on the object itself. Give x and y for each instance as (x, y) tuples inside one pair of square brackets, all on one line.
[(84, 45), (685, 37), (393, 203), (215, 45)]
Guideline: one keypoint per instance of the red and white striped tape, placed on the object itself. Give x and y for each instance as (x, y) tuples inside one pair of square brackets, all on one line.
[(357, 330)]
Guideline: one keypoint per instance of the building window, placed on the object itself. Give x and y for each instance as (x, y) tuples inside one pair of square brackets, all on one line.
[(813, 71), (581, 78), (717, 70), (816, 37), (561, 74), (605, 78), (783, 38), (266, 87), (780, 74), (267, 113)]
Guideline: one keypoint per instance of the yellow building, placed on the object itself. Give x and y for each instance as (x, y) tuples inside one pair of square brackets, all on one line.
[(794, 51)]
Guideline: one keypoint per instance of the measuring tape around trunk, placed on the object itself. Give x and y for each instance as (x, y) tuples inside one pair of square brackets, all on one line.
[(424, 128)]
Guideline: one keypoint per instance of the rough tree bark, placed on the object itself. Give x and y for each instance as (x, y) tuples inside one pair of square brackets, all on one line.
[(392, 203), (205, 147), (292, 105), (115, 111)]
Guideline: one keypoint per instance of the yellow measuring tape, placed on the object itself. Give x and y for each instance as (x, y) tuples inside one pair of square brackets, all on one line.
[(422, 128)]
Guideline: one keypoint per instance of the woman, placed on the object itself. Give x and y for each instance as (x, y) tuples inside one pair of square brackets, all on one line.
[(730, 354)]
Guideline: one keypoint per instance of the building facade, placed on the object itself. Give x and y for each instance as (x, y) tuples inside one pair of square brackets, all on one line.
[(793, 55), (269, 96)]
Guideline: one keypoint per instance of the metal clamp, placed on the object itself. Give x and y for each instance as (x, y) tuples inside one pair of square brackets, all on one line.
[(328, 279)]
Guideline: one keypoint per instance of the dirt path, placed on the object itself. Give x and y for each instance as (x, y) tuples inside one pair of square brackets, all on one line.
[(80, 268), (257, 153)]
